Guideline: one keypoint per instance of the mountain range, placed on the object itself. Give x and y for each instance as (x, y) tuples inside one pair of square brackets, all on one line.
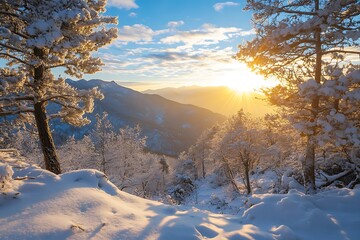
[(170, 127)]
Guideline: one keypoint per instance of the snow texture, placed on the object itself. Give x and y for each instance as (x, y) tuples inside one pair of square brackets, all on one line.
[(85, 205)]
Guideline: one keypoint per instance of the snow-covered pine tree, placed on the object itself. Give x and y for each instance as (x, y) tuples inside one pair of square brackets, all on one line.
[(200, 151), (164, 170), (297, 42), (240, 147), (78, 154), (128, 148), (103, 137), (38, 36)]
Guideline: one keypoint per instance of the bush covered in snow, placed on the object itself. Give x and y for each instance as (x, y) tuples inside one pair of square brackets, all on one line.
[(6, 173)]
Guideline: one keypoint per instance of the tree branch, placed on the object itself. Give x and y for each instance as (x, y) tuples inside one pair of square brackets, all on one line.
[(57, 65), (346, 28), (8, 113), (9, 14), (16, 58), (56, 96), (341, 51), (21, 98), (13, 48), (284, 9), (20, 34), (67, 105)]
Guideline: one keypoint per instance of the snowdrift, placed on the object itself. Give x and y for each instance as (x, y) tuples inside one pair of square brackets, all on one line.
[(84, 205)]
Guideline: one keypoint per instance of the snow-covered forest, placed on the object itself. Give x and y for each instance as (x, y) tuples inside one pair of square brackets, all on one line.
[(290, 174)]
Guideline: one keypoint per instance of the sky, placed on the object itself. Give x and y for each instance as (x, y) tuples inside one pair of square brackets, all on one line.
[(171, 43)]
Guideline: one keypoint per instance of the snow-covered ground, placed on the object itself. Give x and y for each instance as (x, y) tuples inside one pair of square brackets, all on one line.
[(84, 205)]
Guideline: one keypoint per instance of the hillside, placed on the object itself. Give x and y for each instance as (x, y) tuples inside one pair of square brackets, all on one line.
[(220, 99), (171, 127), (85, 205)]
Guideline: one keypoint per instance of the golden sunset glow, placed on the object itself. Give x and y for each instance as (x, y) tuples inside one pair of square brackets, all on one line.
[(240, 78)]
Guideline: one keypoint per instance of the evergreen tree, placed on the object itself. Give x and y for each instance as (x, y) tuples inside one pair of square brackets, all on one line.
[(38, 36), (304, 44), (103, 137)]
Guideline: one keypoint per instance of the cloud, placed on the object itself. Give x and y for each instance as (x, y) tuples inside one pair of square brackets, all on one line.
[(167, 56), (175, 24), (132, 14), (169, 53), (206, 35), (136, 33), (127, 4), (219, 6), (173, 56), (166, 63)]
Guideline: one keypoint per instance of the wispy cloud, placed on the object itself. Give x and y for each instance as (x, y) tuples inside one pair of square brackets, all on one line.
[(132, 14), (220, 6), (167, 63), (136, 33), (176, 24), (127, 4), (206, 35)]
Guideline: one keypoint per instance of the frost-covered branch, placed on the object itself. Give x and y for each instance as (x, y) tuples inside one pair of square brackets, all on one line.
[(63, 96), (67, 105), (297, 12), (10, 14), (6, 46), (330, 179), (15, 58), (17, 98), (15, 112), (341, 51)]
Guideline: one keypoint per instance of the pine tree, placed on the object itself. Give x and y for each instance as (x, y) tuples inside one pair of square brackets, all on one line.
[(304, 44), (38, 36), (103, 137), (239, 148)]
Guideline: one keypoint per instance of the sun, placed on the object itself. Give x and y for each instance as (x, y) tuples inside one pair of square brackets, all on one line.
[(240, 78), (244, 82)]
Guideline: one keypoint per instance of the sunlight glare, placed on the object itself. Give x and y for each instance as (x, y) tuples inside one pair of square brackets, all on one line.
[(240, 78)]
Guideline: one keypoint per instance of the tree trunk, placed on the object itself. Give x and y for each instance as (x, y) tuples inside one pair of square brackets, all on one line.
[(103, 159), (247, 180), (230, 175), (47, 144), (203, 164), (245, 164), (309, 161), (308, 166), (203, 160)]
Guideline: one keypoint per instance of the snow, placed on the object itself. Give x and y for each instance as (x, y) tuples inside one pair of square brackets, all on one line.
[(159, 118), (84, 204)]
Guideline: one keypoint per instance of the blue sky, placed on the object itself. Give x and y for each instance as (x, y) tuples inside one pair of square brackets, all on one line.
[(170, 43)]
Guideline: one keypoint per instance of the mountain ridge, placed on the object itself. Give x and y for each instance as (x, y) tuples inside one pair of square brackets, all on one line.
[(219, 99), (171, 127)]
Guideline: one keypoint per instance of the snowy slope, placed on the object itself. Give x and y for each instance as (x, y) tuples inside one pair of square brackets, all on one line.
[(84, 205)]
